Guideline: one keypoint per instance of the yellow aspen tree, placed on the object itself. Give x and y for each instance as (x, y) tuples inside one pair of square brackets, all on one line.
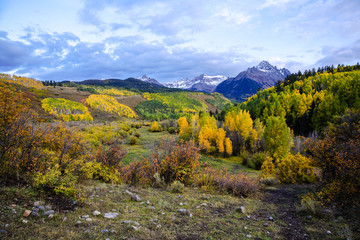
[(184, 128), (228, 146), (220, 138)]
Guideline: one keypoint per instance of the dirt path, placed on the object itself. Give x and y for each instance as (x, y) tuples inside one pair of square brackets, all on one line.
[(285, 197)]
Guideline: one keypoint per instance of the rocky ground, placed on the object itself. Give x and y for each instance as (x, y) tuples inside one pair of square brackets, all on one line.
[(123, 212)]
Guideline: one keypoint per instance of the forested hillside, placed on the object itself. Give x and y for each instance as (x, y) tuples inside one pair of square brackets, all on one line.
[(308, 102)]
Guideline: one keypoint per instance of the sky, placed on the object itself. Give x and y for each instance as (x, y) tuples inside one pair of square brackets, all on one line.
[(170, 40)]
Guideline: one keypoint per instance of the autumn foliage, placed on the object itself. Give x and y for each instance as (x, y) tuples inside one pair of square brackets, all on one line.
[(338, 155)]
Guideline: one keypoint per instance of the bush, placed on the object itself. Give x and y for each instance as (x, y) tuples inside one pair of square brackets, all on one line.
[(338, 156), (155, 127), (137, 134), (296, 169), (112, 155), (309, 205), (235, 184), (172, 130), (133, 140), (138, 172), (177, 187), (268, 168), (256, 160), (175, 160)]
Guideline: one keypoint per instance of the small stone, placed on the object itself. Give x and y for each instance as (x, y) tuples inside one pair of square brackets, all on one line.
[(197, 207), (88, 220), (64, 219), (7, 225), (135, 198), (96, 213), (26, 213), (328, 232), (50, 216), (41, 208), (181, 204), (113, 210), (104, 231), (240, 209), (184, 211), (203, 204), (248, 216), (190, 215), (248, 236), (128, 192), (38, 203), (266, 224), (47, 207), (162, 213), (245, 227), (13, 205), (131, 210), (152, 208), (179, 196), (78, 222), (309, 217), (111, 215), (49, 212), (216, 212), (158, 226), (25, 221), (271, 218), (135, 228), (148, 202), (85, 216)]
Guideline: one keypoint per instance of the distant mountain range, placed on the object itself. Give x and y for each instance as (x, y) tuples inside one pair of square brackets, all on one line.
[(242, 86), (203, 83)]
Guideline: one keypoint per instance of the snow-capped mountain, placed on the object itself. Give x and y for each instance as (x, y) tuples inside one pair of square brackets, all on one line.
[(203, 83), (145, 78), (247, 83)]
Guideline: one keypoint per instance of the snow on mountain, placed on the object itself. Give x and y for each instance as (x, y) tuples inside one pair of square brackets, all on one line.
[(145, 78), (203, 82)]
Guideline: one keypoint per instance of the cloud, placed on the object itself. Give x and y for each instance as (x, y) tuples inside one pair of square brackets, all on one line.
[(235, 17), (116, 57), (343, 55)]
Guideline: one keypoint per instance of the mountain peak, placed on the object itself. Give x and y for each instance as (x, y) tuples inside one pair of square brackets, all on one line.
[(265, 66)]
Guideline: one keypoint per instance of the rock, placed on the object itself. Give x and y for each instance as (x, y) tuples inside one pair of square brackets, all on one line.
[(113, 210), (266, 224), (35, 212), (41, 208), (152, 208), (111, 215), (181, 204), (135, 198), (49, 212), (25, 221), (245, 227), (328, 232), (13, 205), (96, 213), (179, 196), (248, 216), (47, 207), (104, 231), (26, 213), (184, 211), (271, 218), (50, 216), (203, 204), (128, 192), (7, 225), (78, 222), (309, 217), (148, 202), (38, 203), (240, 209), (197, 207), (131, 222), (88, 220), (85, 216), (248, 236), (64, 219)]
